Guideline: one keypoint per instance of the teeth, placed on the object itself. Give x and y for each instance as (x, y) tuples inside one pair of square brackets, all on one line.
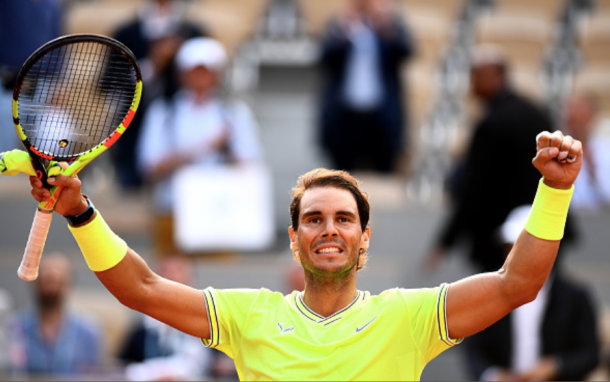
[(329, 250)]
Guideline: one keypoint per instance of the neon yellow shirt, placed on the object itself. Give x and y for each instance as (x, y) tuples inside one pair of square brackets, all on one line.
[(391, 336)]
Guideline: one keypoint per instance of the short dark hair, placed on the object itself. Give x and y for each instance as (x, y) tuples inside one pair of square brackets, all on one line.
[(322, 177)]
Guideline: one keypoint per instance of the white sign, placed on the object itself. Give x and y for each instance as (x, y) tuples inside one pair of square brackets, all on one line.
[(223, 208)]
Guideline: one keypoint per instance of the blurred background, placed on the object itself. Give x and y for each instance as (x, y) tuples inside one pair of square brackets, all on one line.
[(412, 96)]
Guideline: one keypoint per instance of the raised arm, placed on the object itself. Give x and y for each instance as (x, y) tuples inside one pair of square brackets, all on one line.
[(476, 302), (125, 274)]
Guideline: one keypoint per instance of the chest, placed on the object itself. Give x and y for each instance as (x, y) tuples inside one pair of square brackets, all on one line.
[(370, 345)]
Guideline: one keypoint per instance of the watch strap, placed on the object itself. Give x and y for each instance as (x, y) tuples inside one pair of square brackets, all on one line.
[(84, 216)]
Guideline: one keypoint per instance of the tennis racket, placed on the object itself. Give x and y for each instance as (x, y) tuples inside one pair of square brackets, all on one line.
[(73, 98)]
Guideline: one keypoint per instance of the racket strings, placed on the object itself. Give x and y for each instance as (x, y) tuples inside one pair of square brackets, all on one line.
[(75, 96)]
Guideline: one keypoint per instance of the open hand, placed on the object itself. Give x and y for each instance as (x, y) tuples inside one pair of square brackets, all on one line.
[(559, 159)]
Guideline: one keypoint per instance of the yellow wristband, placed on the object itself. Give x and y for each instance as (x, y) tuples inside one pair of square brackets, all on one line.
[(548, 215), (101, 247)]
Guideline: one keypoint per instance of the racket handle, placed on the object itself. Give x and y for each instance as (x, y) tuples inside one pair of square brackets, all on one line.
[(28, 270)]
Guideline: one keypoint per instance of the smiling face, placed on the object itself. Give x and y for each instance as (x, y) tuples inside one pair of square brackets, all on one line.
[(329, 234)]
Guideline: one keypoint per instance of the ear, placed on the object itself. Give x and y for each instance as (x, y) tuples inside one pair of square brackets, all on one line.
[(294, 239), (365, 239)]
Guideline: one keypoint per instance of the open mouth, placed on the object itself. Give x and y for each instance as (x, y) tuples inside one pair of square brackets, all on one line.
[(329, 250)]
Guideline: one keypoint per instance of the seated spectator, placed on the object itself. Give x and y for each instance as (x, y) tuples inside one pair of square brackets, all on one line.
[(48, 339), (197, 126), (552, 338), (592, 188), (155, 351), (154, 37)]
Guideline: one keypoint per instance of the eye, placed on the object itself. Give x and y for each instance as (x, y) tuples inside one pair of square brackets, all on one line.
[(344, 220), (315, 220)]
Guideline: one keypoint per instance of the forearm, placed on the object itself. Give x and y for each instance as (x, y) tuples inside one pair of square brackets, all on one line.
[(476, 302), (127, 276), (129, 281), (527, 268), (533, 255)]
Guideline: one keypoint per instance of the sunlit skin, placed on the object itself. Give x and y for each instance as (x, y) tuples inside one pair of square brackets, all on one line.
[(328, 241)]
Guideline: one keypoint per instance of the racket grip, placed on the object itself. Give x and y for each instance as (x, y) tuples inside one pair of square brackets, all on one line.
[(28, 270)]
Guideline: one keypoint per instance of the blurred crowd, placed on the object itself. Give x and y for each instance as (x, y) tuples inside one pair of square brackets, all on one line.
[(190, 120)]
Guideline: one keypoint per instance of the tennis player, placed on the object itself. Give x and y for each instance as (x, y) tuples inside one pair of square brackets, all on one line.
[(332, 330)]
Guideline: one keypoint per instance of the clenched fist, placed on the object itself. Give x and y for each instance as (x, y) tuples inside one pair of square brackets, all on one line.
[(558, 158)]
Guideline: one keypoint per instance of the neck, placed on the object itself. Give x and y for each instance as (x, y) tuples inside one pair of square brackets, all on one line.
[(328, 296)]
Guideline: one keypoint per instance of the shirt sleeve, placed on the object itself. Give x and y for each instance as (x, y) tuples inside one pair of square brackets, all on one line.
[(426, 309), (228, 311)]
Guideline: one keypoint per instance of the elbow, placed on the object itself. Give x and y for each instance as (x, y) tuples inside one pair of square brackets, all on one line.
[(136, 299), (522, 291)]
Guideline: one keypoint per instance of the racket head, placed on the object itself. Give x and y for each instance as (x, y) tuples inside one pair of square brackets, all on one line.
[(74, 97)]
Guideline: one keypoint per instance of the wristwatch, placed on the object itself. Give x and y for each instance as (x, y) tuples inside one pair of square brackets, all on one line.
[(84, 216)]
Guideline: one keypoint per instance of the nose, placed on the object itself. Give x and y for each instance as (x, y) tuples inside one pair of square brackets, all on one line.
[(329, 229)]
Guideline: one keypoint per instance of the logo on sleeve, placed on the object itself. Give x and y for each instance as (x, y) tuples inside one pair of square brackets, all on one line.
[(284, 330), (361, 328)]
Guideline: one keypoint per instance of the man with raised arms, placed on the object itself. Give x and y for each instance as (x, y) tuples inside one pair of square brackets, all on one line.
[(332, 330)]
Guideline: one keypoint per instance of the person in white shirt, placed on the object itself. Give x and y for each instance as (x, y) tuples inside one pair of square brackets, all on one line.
[(197, 126), (592, 189)]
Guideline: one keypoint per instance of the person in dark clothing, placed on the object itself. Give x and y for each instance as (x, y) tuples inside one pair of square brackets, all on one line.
[(509, 124), (361, 114), (569, 343), (552, 338), (154, 37)]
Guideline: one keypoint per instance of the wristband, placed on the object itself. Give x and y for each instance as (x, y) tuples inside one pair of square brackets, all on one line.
[(84, 216), (547, 218), (16, 161), (101, 247)]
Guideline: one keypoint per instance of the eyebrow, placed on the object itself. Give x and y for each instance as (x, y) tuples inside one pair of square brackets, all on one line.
[(342, 213)]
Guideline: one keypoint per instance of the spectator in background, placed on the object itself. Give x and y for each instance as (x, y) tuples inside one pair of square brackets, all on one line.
[(25, 25), (48, 339), (155, 351), (154, 37), (362, 118), (510, 124), (553, 338), (196, 126), (592, 190)]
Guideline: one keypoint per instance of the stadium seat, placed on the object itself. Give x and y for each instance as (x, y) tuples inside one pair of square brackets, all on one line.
[(602, 7), (527, 81), (232, 22), (525, 39), (595, 80), (419, 91), (595, 40), (430, 31), (318, 13), (543, 9), (100, 17), (443, 9)]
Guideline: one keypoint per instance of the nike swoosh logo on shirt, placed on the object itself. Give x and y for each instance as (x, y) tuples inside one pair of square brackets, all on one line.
[(359, 329)]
